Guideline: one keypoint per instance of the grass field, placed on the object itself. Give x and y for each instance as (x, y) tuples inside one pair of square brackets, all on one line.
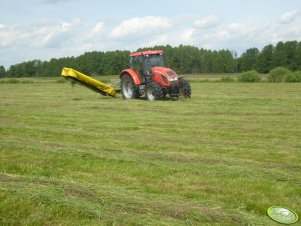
[(72, 157)]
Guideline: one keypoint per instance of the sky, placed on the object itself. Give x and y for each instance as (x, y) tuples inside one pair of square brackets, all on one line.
[(45, 29)]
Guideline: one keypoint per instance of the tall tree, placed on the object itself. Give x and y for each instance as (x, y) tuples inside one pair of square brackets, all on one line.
[(264, 60), (228, 61), (298, 57), (279, 58), (90, 63), (188, 59), (114, 62), (2, 71), (248, 59), (217, 62), (291, 52)]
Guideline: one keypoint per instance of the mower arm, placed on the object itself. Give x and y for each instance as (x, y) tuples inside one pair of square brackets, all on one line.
[(95, 85)]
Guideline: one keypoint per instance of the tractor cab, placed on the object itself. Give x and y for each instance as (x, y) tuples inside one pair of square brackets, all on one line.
[(144, 62)]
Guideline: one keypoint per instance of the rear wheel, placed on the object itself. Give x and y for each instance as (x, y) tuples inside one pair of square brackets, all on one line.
[(153, 91), (128, 87), (185, 88)]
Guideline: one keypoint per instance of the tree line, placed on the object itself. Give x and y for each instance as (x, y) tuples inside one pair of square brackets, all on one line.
[(184, 59)]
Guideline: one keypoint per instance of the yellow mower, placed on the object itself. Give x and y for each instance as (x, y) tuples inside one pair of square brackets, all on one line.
[(97, 86)]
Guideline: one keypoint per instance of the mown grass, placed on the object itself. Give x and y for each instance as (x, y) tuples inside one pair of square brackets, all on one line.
[(72, 157)]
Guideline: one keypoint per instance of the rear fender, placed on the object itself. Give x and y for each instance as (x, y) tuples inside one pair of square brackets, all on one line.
[(133, 74)]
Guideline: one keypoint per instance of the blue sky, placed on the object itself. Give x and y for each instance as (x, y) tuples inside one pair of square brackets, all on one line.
[(45, 29)]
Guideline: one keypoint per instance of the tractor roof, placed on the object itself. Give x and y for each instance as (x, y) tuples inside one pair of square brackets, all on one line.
[(149, 52)]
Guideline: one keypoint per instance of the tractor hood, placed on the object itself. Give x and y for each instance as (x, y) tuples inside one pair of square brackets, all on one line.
[(164, 76), (167, 72)]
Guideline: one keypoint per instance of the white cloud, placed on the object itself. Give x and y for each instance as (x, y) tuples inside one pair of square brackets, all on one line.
[(187, 36), (247, 30), (207, 22), (237, 27), (157, 40), (138, 27), (8, 36), (86, 47), (222, 35), (288, 17), (54, 35), (48, 35), (97, 29)]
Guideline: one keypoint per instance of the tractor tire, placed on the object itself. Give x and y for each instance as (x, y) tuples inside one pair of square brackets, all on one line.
[(128, 87), (153, 91), (185, 88)]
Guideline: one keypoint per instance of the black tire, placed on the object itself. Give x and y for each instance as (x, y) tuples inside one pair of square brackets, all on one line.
[(164, 93), (153, 91), (128, 87), (185, 88)]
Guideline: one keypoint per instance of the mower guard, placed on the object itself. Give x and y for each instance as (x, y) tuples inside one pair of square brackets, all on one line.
[(95, 85)]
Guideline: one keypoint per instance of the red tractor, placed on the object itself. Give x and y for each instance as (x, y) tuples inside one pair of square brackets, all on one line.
[(148, 76)]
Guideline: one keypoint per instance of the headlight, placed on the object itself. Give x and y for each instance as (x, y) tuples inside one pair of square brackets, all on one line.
[(172, 79)]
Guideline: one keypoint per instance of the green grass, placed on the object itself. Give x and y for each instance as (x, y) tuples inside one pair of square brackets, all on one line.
[(72, 157)]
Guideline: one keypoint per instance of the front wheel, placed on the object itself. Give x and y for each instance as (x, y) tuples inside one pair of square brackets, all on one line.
[(153, 91), (185, 88)]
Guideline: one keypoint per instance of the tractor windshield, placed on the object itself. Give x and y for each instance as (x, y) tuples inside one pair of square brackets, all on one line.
[(154, 61), (145, 63)]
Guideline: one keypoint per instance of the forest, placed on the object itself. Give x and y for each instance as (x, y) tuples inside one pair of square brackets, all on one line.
[(183, 59)]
